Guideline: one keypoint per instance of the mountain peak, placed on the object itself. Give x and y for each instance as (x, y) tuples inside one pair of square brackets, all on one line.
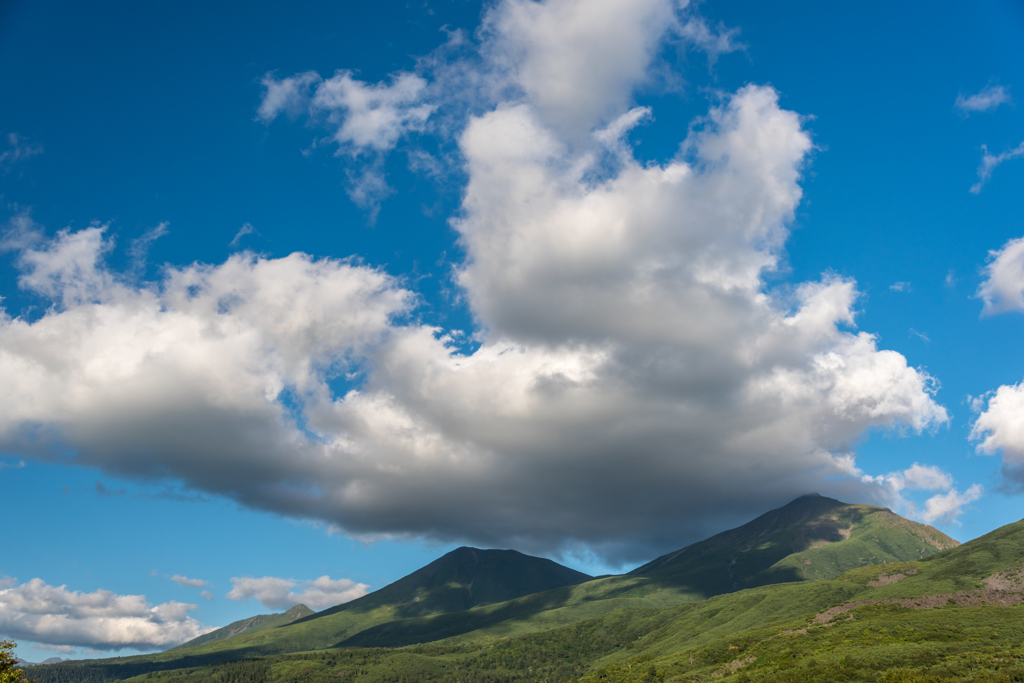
[(463, 578), (811, 537)]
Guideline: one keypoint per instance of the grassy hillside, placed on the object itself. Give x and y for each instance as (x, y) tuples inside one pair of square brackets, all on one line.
[(260, 622), (459, 580), (936, 619), (812, 537)]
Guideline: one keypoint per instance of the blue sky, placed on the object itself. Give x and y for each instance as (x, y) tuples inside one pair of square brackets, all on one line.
[(298, 299)]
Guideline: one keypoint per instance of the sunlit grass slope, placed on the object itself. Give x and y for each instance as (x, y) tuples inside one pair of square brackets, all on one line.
[(260, 622), (461, 579), (811, 538), (655, 617), (768, 633)]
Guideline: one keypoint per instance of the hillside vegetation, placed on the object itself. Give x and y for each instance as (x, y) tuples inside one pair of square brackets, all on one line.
[(953, 615), (260, 622)]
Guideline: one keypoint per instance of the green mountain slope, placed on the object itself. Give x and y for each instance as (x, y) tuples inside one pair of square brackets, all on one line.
[(961, 618), (460, 580), (812, 537), (657, 612), (259, 622)]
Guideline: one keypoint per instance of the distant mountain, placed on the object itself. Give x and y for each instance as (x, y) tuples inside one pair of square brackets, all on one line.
[(811, 538), (479, 598), (460, 580), (954, 615), (51, 660), (258, 623)]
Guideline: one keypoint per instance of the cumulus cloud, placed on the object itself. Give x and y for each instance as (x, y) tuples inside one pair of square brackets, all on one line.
[(276, 593), (18, 149), (900, 286), (1003, 287), (947, 507), (366, 117), (1000, 424), (637, 384), (999, 427), (989, 163), (21, 232), (942, 508), (206, 595), (576, 62), (191, 583), (54, 615), (989, 98), (288, 95)]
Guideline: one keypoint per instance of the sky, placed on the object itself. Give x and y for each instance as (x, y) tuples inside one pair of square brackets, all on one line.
[(298, 298)]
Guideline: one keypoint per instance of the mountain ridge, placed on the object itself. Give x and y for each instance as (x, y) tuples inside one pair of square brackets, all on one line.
[(249, 625)]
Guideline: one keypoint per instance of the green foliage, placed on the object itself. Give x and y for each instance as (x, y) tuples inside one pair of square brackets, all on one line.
[(458, 581), (10, 672), (260, 622), (631, 629), (812, 538)]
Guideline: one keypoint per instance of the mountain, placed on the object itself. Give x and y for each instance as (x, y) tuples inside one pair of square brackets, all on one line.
[(259, 622), (954, 615), (460, 580), (50, 660), (745, 588), (811, 538)]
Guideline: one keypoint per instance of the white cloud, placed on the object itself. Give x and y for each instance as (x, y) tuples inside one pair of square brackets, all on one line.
[(38, 612), (276, 593), (900, 286), (365, 116), (139, 247), (947, 507), (1000, 426), (246, 229), (21, 232), (1003, 287), (68, 268), (19, 150), (989, 98), (942, 508), (191, 583), (288, 95), (577, 62), (715, 44), (206, 595), (989, 163), (638, 383), (372, 116), (66, 649)]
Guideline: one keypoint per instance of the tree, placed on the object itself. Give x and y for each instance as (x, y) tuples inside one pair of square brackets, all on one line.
[(9, 671)]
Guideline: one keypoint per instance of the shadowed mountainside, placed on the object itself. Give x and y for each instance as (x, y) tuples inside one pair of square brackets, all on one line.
[(460, 580), (955, 615), (462, 598), (259, 622), (812, 537)]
